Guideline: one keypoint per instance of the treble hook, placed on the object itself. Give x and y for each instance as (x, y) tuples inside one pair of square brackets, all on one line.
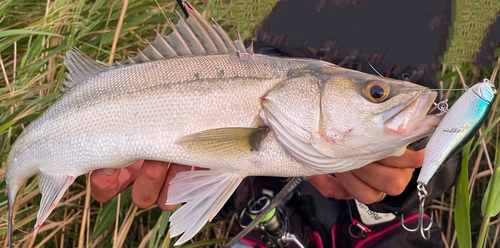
[(424, 231)]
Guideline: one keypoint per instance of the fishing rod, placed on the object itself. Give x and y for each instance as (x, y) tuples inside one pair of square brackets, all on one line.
[(268, 207)]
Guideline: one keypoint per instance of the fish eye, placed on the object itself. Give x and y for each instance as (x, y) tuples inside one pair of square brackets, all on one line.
[(376, 91)]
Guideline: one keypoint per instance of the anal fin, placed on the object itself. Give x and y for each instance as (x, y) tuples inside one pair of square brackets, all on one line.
[(205, 192), (52, 188)]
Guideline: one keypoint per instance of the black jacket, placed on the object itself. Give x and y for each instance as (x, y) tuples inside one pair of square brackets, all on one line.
[(402, 39)]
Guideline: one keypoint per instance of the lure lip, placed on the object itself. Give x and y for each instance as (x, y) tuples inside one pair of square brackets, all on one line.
[(486, 91)]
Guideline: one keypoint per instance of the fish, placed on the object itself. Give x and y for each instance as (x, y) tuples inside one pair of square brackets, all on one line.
[(457, 127), (197, 98)]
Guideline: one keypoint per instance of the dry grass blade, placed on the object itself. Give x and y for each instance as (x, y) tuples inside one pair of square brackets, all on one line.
[(51, 226), (495, 71), (473, 176), (4, 72), (146, 239), (86, 212), (496, 237), (127, 223), (117, 33), (461, 77)]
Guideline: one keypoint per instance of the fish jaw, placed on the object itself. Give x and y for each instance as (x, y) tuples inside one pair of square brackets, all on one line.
[(410, 120), (352, 124), (330, 119)]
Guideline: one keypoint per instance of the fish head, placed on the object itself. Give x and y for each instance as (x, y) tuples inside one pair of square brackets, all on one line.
[(338, 113), (362, 113)]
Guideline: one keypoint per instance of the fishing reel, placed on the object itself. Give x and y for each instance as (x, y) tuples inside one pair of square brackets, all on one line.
[(273, 228)]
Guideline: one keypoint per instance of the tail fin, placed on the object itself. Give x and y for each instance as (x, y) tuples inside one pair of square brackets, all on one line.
[(11, 200), (205, 192)]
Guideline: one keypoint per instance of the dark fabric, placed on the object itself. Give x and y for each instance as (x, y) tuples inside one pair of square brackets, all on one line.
[(393, 32), (399, 237), (390, 234), (296, 29), (402, 39), (299, 207)]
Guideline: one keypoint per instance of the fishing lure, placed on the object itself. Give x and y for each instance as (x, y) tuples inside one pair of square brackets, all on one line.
[(456, 128)]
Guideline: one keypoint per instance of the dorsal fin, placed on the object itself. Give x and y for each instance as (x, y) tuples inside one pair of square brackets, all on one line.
[(215, 40), (190, 36), (239, 44), (80, 65)]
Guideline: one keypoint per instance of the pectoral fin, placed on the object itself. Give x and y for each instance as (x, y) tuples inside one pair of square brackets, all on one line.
[(225, 141), (205, 192), (52, 188)]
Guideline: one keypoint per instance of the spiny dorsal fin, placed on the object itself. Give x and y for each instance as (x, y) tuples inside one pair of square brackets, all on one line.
[(215, 40), (250, 48), (190, 36), (228, 43), (239, 43), (80, 65), (187, 34)]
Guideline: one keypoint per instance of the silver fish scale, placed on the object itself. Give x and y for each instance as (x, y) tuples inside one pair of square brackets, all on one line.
[(126, 79), (143, 108)]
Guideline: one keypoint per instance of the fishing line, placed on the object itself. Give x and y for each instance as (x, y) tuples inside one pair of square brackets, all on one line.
[(450, 89), (159, 6), (373, 68)]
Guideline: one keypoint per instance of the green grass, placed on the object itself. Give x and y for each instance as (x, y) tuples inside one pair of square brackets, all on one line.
[(33, 38)]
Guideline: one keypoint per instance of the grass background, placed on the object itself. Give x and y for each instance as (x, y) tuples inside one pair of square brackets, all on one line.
[(35, 34)]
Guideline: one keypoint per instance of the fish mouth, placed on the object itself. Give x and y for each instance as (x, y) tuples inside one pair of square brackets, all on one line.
[(411, 119)]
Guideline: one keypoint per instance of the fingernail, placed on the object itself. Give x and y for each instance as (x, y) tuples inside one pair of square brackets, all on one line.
[(108, 172)]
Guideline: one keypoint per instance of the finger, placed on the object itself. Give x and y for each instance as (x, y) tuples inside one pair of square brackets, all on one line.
[(103, 184), (361, 191), (329, 186), (172, 171), (410, 159), (390, 180), (128, 175), (148, 184), (107, 183)]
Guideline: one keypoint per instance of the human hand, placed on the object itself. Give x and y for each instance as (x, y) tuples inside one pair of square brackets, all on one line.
[(369, 183), (150, 178)]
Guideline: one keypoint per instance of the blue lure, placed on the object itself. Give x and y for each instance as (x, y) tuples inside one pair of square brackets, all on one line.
[(456, 128)]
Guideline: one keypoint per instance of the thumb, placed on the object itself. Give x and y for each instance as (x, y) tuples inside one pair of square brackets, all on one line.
[(329, 186)]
